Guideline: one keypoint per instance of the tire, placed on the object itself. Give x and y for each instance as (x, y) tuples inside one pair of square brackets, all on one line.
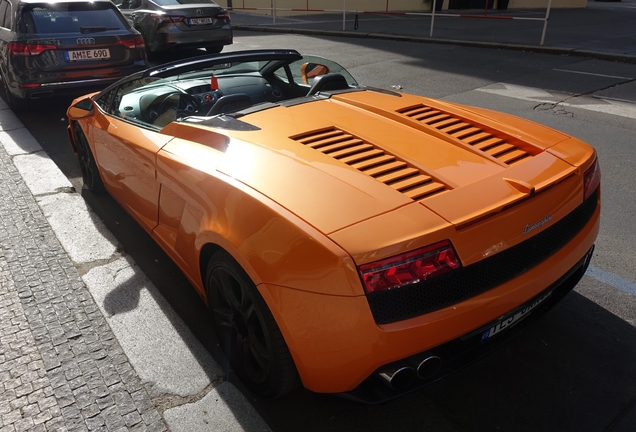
[(15, 103), (150, 55), (247, 330), (90, 173), (214, 49)]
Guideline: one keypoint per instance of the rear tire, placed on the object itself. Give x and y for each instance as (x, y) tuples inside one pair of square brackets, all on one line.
[(247, 330), (214, 49), (90, 173), (150, 55), (15, 103)]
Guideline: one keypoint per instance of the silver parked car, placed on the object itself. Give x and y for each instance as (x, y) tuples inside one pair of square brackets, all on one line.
[(171, 24)]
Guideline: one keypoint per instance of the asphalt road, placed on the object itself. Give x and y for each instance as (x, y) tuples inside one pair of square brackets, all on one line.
[(571, 371)]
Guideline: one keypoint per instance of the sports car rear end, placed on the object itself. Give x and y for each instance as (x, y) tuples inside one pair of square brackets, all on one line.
[(463, 225)]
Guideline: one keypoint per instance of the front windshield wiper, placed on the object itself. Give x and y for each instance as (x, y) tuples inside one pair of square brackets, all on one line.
[(95, 29)]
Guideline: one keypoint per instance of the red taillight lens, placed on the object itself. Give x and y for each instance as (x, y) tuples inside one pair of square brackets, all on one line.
[(137, 42), (26, 50), (591, 179), (410, 267), (222, 15), (163, 18)]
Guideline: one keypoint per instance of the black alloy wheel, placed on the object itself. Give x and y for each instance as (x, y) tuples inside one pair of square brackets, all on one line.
[(247, 330), (90, 174), (15, 103), (150, 55), (214, 49)]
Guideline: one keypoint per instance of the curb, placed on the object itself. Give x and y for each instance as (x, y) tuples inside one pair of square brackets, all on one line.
[(623, 58), (130, 361)]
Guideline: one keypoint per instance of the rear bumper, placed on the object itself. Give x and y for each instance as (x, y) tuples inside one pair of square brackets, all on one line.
[(338, 346), (177, 39), (56, 84), (463, 350)]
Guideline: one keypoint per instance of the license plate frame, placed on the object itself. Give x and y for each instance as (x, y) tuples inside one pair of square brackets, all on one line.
[(85, 55), (512, 319), (200, 21)]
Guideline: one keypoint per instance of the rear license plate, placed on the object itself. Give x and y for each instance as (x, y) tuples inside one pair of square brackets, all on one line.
[(87, 55), (513, 318), (200, 21)]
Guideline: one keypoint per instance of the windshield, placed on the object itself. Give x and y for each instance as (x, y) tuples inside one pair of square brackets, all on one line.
[(70, 17)]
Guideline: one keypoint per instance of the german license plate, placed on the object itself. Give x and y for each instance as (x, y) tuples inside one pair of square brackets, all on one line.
[(88, 55), (199, 21), (513, 318)]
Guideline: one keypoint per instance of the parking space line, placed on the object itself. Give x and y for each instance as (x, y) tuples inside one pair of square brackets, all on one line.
[(612, 280), (594, 74)]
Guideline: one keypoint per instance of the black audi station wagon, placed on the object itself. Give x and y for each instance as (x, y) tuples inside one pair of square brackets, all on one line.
[(51, 47)]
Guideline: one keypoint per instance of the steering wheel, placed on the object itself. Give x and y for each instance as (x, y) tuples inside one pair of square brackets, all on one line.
[(185, 105), (188, 105)]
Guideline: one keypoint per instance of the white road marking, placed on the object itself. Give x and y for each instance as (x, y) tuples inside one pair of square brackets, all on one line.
[(612, 280), (606, 106), (594, 74)]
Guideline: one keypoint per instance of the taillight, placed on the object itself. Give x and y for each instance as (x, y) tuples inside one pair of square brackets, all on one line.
[(410, 267), (225, 15), (164, 18), (137, 42), (26, 50), (591, 179)]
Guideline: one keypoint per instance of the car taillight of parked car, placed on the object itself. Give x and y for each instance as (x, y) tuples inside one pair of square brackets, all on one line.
[(164, 18), (223, 16), (592, 178), (409, 267), (137, 42), (26, 50)]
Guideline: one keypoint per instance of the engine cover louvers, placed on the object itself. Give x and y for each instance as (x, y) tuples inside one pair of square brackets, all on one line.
[(373, 161), (467, 132)]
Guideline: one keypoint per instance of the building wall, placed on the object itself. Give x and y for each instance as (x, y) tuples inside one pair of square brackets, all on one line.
[(379, 5)]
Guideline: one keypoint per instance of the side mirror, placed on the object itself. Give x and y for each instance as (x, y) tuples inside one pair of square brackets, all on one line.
[(81, 109), (312, 70)]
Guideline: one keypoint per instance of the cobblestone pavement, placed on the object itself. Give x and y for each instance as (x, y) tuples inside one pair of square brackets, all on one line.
[(61, 368)]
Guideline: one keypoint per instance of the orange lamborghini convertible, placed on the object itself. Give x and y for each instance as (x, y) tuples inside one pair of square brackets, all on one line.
[(351, 239)]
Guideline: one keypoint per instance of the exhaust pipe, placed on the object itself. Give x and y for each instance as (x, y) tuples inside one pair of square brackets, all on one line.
[(396, 375), (41, 95), (429, 367)]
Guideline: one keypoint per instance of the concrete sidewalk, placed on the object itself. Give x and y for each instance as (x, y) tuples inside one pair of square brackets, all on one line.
[(86, 341), (603, 30)]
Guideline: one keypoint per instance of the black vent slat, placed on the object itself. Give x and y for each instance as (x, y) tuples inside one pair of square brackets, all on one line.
[(373, 161), (411, 182), (454, 128), (386, 168), (459, 285), (398, 175), (351, 160), (447, 123), (338, 145), (483, 145), (369, 163), (464, 131), (500, 149), (307, 139), (436, 119), (422, 190)]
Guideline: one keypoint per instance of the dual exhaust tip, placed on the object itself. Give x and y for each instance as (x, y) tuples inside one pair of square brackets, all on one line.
[(399, 375)]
